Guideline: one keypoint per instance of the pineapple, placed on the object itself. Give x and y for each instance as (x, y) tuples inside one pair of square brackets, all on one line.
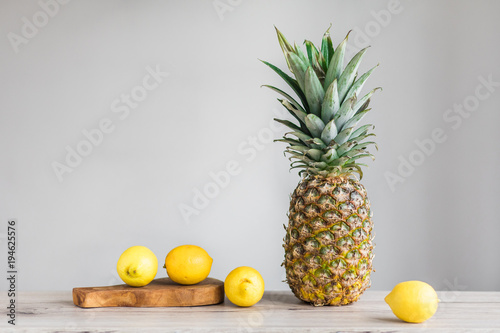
[(328, 243)]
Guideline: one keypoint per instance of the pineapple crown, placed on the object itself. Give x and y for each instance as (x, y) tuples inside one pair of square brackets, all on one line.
[(326, 141)]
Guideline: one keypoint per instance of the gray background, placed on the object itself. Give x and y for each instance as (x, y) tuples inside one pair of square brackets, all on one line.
[(440, 225)]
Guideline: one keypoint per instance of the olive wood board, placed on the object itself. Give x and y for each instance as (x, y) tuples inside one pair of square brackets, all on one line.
[(159, 293)]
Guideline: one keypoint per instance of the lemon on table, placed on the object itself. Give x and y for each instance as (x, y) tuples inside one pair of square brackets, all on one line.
[(244, 286), (137, 266), (413, 301), (188, 264)]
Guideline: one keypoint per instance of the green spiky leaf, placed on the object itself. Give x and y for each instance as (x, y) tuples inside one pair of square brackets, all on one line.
[(314, 124), (298, 114), (326, 140), (343, 136), (331, 103), (314, 91), (347, 77), (344, 113), (358, 85), (289, 124), (363, 102), (329, 132), (336, 63), (285, 46), (326, 48), (291, 82), (299, 68), (353, 122)]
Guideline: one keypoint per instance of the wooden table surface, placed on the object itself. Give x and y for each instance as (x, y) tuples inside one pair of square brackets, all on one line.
[(276, 312)]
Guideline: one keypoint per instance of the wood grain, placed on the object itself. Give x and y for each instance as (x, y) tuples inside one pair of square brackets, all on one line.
[(49, 312), (159, 293)]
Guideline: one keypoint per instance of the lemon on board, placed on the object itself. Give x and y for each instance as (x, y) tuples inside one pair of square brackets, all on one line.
[(413, 301), (244, 286), (188, 264), (137, 266)]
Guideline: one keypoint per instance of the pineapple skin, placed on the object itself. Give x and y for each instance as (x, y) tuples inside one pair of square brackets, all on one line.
[(328, 243)]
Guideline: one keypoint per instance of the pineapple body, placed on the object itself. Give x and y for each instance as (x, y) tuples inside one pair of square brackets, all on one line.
[(328, 243)]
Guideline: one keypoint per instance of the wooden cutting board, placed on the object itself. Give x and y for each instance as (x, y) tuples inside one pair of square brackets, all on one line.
[(160, 292)]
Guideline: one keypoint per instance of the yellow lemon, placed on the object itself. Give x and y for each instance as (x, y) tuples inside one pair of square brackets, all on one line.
[(137, 266), (244, 286), (413, 301), (188, 264)]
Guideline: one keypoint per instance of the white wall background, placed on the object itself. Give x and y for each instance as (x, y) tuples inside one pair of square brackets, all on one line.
[(441, 225)]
